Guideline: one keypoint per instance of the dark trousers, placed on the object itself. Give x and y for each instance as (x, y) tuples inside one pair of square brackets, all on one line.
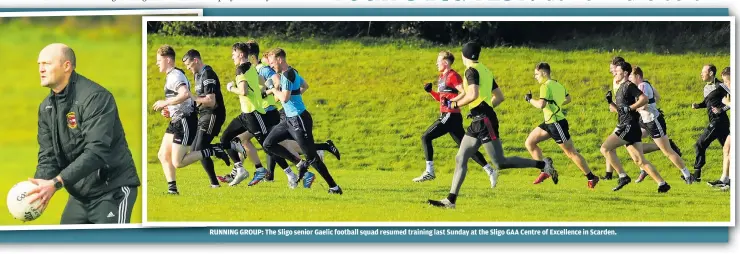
[(114, 207), (298, 128)]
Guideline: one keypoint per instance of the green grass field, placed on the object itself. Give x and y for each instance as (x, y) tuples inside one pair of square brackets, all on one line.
[(369, 99), (103, 55)]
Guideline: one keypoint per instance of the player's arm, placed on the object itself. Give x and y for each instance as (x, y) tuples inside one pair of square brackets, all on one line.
[(209, 87), (567, 99), (100, 114), (47, 167), (456, 81), (472, 92), (304, 86), (497, 96), (460, 92), (702, 104), (727, 101), (240, 88), (541, 102), (182, 95), (642, 99), (283, 94), (435, 95)]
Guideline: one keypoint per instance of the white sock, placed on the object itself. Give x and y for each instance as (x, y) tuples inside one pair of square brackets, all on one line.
[(488, 168), (334, 188), (238, 164), (686, 173), (622, 175), (430, 167), (661, 183), (725, 179), (288, 170)]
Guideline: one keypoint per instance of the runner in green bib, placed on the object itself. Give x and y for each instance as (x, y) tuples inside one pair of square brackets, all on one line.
[(482, 94), (553, 96)]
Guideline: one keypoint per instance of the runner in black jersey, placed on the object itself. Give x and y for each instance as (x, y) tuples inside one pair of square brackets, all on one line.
[(719, 123), (629, 98)]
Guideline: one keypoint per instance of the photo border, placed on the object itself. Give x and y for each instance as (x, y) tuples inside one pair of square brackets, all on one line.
[(147, 223), (22, 14)]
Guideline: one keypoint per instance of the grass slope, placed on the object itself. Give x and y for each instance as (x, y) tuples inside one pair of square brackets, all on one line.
[(369, 99)]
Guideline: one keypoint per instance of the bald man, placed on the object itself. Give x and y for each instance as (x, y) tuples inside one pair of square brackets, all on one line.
[(82, 145)]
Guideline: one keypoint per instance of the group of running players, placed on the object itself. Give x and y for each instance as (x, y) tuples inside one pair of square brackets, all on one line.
[(635, 104), (272, 111)]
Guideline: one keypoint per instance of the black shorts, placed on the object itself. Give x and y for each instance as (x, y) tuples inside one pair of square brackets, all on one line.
[(485, 123), (484, 128), (629, 132), (657, 128), (184, 130), (558, 130), (210, 124), (261, 124)]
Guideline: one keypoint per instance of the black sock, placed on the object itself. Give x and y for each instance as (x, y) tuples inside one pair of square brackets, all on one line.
[(322, 146), (697, 173), (452, 198), (609, 174), (673, 145), (206, 152), (172, 186), (210, 170), (258, 165), (590, 176), (540, 165)]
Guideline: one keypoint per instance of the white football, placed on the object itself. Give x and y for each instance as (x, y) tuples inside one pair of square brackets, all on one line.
[(18, 202)]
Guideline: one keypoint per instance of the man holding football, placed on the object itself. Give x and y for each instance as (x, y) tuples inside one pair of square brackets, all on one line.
[(82, 145)]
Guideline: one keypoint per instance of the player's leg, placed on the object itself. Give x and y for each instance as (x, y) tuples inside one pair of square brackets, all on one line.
[(293, 148), (114, 207), (328, 146), (245, 140), (495, 150), (700, 149), (272, 145), (236, 127), (190, 130), (635, 151), (232, 130), (665, 146), (261, 124), (436, 130), (658, 131), (75, 212), (570, 150), (560, 132), (458, 133), (609, 150), (244, 148), (608, 171), (537, 135), (722, 137), (468, 146), (203, 142), (724, 180), (302, 132), (165, 158)]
